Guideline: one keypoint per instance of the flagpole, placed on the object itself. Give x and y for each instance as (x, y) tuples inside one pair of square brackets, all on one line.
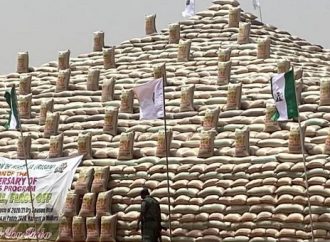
[(256, 4), (195, 6), (260, 12), (167, 169), (306, 178), (27, 169), (305, 172)]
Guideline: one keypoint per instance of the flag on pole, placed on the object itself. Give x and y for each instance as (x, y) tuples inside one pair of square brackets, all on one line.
[(189, 8), (10, 96), (151, 99), (256, 4), (284, 93)]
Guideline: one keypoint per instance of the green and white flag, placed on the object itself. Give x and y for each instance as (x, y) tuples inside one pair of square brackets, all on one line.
[(284, 93), (10, 96)]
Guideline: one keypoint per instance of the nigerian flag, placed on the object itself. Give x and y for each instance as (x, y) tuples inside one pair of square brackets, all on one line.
[(284, 93), (10, 96)]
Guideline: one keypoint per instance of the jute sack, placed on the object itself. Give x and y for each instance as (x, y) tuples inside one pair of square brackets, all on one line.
[(126, 145), (260, 191), (108, 228), (283, 66), (22, 62), (234, 17), (103, 204), (299, 89), (24, 147), (211, 118), (270, 125), (63, 80), (108, 89), (126, 101), (294, 139), (46, 106), (184, 50), (215, 238), (186, 209), (174, 33), (206, 145), (101, 179), (150, 24), (88, 205), (234, 96), (160, 72), (110, 121), (71, 205), (161, 146), (325, 92), (326, 149), (98, 41), (244, 33), (93, 230), (85, 145), (183, 238), (242, 142), (79, 229), (63, 60), (25, 84), (224, 54), (64, 230), (263, 48), (298, 73), (224, 72), (24, 106), (51, 124), (93, 78), (109, 59), (56, 146), (187, 98), (84, 182)]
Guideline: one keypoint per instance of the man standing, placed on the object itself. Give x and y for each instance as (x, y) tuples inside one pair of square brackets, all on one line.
[(150, 218)]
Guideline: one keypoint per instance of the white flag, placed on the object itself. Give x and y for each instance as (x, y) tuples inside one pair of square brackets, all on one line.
[(189, 9), (256, 4), (151, 99)]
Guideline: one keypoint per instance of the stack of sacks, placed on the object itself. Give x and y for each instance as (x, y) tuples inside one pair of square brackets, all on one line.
[(87, 214), (234, 173)]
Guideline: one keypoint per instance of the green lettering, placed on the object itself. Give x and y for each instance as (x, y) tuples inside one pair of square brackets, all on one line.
[(43, 197)]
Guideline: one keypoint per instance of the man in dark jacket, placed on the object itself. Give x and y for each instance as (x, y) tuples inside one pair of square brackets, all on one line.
[(150, 218)]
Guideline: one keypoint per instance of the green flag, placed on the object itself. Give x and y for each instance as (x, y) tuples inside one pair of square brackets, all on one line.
[(10, 96), (284, 93)]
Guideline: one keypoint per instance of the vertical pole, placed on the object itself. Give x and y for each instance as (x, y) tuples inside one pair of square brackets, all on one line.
[(27, 169), (256, 4), (260, 12), (167, 169), (305, 169), (306, 178), (194, 9)]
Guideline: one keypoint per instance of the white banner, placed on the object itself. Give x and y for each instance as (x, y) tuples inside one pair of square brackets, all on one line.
[(50, 181)]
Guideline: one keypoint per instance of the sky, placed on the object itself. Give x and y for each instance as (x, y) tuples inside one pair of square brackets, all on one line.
[(45, 27)]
